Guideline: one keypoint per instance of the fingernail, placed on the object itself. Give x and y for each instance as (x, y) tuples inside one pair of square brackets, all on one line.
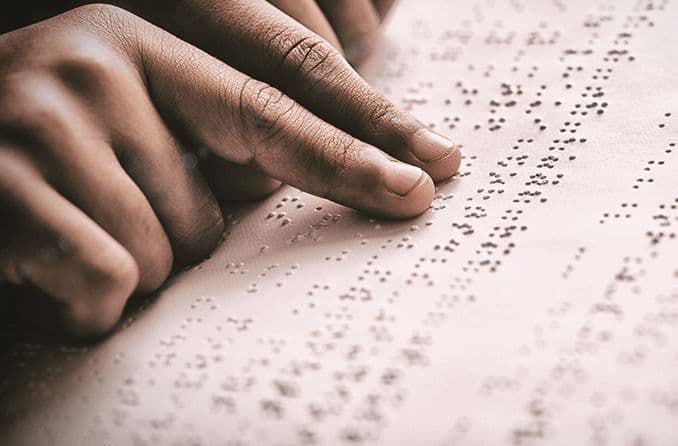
[(401, 178), (429, 146)]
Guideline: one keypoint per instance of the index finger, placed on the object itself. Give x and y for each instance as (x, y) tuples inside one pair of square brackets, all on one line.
[(256, 38)]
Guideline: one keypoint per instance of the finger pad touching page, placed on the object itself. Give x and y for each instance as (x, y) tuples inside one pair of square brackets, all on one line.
[(534, 302)]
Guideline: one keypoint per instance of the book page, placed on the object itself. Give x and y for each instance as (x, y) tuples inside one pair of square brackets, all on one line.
[(534, 303)]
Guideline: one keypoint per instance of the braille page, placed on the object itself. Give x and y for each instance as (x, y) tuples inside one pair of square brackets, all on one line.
[(534, 303)]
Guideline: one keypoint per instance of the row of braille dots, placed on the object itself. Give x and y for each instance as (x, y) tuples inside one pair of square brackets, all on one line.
[(414, 97), (540, 38), (499, 241), (493, 123), (625, 212), (356, 373), (650, 327), (234, 320), (363, 294), (477, 212), (524, 434), (547, 162), (635, 22), (313, 292), (414, 355), (283, 222), (495, 38), (314, 231), (325, 347), (652, 164), (564, 377), (372, 272), (281, 215), (630, 274), (663, 220), (335, 333), (569, 268), (540, 179), (290, 271), (651, 5)]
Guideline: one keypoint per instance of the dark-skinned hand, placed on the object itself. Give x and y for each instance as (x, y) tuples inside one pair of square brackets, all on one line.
[(119, 137)]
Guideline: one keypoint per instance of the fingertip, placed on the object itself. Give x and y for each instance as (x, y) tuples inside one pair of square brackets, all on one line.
[(409, 191), (436, 154), (400, 179), (419, 199), (445, 167)]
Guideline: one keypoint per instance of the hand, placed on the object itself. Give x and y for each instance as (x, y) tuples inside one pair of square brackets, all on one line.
[(351, 26), (101, 113)]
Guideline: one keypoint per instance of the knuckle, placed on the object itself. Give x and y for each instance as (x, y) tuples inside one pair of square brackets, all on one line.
[(56, 57), (155, 267), (381, 114), (309, 54), (31, 108), (114, 275), (332, 166), (110, 284), (85, 64), (89, 319), (16, 181), (111, 25), (101, 14), (343, 160), (264, 110), (83, 322)]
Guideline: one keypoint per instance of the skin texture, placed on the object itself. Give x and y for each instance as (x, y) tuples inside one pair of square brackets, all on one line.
[(118, 140)]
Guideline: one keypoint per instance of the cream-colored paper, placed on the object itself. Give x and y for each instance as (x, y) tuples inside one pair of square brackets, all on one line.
[(535, 303)]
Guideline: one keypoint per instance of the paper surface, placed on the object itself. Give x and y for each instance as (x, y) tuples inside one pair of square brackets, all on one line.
[(535, 303)]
